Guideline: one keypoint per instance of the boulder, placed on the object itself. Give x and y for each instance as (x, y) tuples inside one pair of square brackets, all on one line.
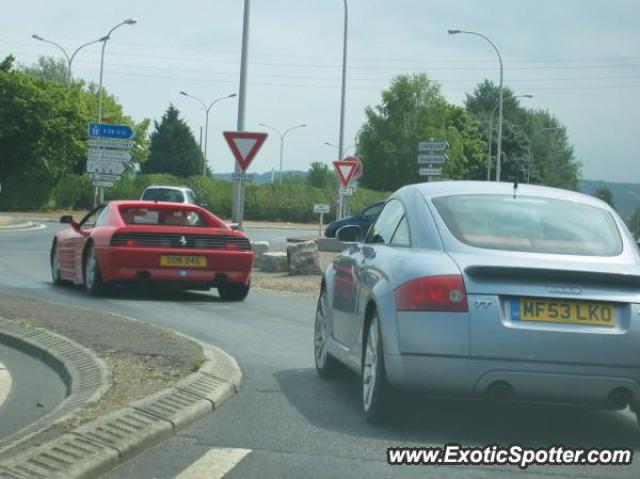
[(303, 258), (272, 262), (260, 247)]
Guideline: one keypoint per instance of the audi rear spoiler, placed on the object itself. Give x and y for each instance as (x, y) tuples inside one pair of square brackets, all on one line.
[(546, 274)]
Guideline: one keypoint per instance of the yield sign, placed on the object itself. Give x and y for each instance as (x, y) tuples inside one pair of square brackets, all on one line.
[(345, 170), (359, 169), (244, 145)]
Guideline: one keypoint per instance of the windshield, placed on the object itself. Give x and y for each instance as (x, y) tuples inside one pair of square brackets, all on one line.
[(161, 216), (163, 194), (530, 224)]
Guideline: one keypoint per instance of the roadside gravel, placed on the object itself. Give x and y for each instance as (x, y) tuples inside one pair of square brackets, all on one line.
[(143, 358)]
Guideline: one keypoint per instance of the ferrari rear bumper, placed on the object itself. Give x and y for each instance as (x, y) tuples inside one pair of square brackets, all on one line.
[(129, 264)]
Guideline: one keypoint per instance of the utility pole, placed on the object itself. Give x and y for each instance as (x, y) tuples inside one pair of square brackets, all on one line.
[(238, 187)]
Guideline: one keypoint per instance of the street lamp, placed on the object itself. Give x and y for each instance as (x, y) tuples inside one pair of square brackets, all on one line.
[(68, 57), (493, 112), (336, 146), (552, 128), (128, 21), (637, 213), (498, 160), (282, 136), (341, 206), (206, 122)]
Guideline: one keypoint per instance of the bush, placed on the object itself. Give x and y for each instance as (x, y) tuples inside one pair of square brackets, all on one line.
[(74, 192)]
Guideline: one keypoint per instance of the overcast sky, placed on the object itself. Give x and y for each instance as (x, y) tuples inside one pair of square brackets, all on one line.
[(580, 58)]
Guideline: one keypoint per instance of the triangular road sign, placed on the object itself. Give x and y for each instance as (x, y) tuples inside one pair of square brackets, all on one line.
[(345, 170), (244, 145)]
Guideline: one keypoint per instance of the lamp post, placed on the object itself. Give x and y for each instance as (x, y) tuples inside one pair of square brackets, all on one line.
[(552, 128), (207, 109), (282, 137), (336, 146), (128, 21), (493, 112), (637, 213), (499, 153), (68, 57)]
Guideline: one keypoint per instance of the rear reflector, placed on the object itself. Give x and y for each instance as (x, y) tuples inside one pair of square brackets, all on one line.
[(433, 293)]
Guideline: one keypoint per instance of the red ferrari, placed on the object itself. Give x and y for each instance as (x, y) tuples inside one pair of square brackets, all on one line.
[(160, 243)]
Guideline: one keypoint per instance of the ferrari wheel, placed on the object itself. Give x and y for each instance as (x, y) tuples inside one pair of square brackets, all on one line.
[(55, 267), (92, 278), (233, 291)]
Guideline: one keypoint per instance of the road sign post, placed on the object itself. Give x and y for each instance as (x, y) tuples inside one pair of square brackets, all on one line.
[(432, 153), (108, 154), (244, 146), (345, 170), (322, 209)]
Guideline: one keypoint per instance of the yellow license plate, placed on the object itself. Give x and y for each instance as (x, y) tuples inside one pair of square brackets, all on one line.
[(578, 312), (182, 261)]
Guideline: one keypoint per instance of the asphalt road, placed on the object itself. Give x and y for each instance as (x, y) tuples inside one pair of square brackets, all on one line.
[(35, 390), (287, 422)]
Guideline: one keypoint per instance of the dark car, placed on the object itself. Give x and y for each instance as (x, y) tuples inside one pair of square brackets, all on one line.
[(363, 219)]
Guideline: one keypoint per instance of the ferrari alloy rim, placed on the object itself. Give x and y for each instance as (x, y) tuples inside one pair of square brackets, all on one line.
[(91, 265), (321, 331), (370, 365)]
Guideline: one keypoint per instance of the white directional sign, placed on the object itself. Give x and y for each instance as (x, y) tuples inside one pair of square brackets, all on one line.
[(103, 177), (432, 145), (101, 154), (346, 191), (103, 184), (430, 171), (320, 208), (111, 143), (105, 167), (432, 159)]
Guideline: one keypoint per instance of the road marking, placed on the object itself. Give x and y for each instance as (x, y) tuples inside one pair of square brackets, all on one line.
[(5, 384), (35, 227), (214, 464)]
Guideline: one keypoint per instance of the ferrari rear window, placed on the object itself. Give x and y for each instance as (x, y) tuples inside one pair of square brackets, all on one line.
[(530, 224), (161, 216)]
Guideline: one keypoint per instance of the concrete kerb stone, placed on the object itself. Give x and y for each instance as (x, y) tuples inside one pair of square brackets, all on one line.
[(98, 446), (86, 376)]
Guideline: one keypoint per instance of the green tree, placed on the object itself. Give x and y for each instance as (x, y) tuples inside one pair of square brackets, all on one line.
[(173, 148), (604, 193), (39, 137), (529, 137), (413, 110), (319, 175), (48, 68)]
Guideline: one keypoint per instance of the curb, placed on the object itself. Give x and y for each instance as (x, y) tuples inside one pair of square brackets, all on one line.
[(15, 226), (86, 376), (100, 445)]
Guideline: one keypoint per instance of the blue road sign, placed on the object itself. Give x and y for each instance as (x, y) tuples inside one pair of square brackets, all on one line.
[(105, 130)]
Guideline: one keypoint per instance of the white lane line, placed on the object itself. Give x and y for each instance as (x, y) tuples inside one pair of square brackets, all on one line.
[(214, 464), (5, 383), (35, 227)]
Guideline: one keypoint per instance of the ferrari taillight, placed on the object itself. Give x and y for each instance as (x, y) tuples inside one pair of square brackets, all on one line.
[(232, 246), (433, 293)]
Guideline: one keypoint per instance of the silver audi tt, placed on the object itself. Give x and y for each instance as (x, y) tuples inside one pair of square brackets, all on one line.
[(486, 290)]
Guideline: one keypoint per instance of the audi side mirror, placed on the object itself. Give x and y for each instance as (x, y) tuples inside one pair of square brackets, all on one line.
[(349, 234)]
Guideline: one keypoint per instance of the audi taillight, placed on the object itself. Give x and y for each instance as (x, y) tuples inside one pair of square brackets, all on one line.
[(433, 293)]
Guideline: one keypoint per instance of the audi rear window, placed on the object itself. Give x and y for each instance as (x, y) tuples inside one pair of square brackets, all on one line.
[(530, 224), (162, 217)]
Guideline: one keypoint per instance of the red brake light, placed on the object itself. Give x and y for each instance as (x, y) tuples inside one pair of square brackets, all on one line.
[(433, 293), (232, 246)]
